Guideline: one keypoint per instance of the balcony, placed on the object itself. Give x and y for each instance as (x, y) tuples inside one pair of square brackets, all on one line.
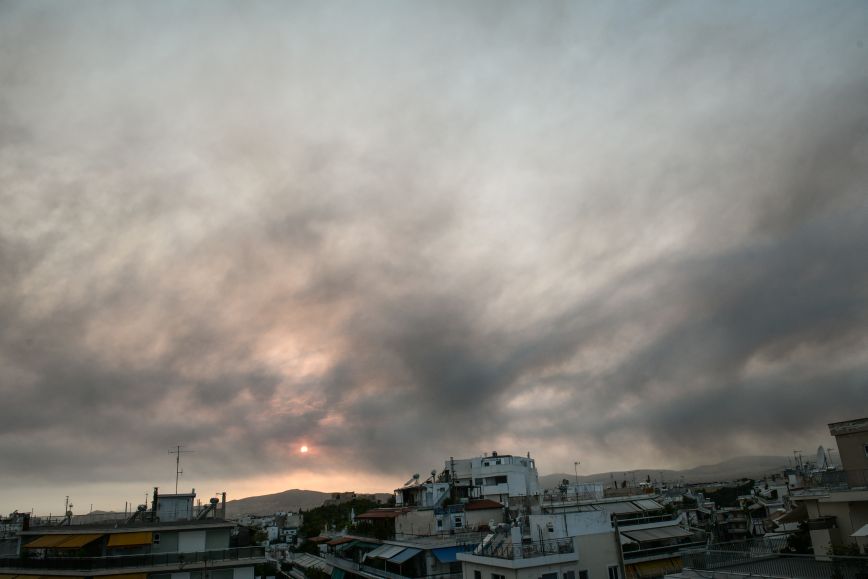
[(508, 550), (822, 523), (202, 559)]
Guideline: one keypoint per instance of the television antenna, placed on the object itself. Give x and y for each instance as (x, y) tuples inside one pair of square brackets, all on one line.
[(178, 472)]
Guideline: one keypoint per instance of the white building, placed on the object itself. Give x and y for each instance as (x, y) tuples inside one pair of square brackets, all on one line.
[(582, 545), (508, 479)]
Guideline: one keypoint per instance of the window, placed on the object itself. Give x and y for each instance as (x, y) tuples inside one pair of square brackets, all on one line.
[(497, 576), (866, 450), (613, 572), (439, 523), (549, 576), (156, 538), (477, 575), (497, 461), (457, 522), (583, 574), (485, 463), (569, 575)]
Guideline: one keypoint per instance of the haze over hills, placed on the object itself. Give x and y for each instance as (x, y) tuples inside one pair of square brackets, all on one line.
[(286, 501), (734, 468)]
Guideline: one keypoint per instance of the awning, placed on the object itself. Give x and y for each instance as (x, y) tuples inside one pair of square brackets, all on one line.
[(660, 533), (653, 568), (130, 539), (376, 552), (389, 552), (78, 541), (62, 541), (46, 542), (862, 532), (405, 555), (447, 554)]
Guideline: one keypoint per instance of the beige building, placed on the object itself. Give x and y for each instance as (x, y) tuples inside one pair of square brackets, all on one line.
[(565, 546)]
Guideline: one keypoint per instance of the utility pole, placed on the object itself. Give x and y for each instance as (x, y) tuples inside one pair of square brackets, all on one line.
[(178, 472)]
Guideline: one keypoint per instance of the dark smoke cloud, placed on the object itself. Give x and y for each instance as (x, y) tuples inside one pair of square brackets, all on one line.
[(402, 233)]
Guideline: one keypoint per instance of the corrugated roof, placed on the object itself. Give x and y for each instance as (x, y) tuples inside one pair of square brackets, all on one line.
[(340, 541), (404, 555), (648, 504)]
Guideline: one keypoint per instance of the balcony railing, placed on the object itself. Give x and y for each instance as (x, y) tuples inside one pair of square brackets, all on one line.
[(821, 523), (133, 561), (508, 550)]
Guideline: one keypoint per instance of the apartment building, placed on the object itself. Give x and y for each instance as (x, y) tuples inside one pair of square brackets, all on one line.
[(173, 539)]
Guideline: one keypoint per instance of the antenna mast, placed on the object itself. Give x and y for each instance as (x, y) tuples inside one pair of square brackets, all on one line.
[(178, 472)]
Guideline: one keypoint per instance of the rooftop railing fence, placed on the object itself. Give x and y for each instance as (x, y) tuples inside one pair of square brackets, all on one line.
[(132, 561)]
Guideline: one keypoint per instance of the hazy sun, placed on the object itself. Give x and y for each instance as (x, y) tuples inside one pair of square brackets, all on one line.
[(303, 449)]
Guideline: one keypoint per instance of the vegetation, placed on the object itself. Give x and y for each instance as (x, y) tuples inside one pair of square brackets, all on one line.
[(333, 516)]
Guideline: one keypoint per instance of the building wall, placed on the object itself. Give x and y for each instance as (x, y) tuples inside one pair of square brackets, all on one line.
[(217, 539), (415, 523), (852, 439), (168, 542), (473, 519), (191, 541), (597, 553)]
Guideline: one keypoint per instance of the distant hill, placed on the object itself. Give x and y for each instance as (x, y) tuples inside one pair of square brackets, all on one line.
[(732, 469), (287, 501)]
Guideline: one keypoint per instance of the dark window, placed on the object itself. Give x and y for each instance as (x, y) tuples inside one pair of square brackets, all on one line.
[(866, 450), (549, 576), (497, 576), (583, 574), (569, 575), (477, 575), (156, 538), (613, 573)]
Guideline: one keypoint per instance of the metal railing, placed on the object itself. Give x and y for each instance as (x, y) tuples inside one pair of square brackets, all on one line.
[(763, 558), (133, 561), (509, 550)]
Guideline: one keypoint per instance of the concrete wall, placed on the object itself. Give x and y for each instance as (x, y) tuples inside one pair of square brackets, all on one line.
[(191, 541), (168, 542), (416, 523), (473, 519), (597, 553)]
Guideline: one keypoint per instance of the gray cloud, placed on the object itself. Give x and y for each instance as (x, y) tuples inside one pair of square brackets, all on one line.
[(399, 233)]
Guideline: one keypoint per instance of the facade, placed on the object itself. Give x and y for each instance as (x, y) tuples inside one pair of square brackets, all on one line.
[(508, 479), (177, 541), (838, 514), (568, 546)]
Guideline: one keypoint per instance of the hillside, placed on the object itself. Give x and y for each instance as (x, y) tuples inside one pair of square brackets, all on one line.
[(732, 469), (286, 501)]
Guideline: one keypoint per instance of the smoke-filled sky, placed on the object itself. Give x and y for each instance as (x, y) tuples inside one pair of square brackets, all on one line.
[(626, 234)]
